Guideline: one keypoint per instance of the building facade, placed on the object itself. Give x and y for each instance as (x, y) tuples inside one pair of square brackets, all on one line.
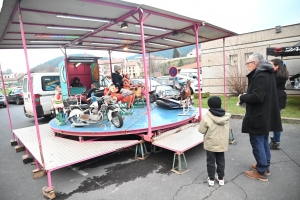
[(237, 50)]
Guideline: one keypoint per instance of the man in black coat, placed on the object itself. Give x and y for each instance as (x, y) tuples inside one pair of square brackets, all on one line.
[(117, 79), (262, 113)]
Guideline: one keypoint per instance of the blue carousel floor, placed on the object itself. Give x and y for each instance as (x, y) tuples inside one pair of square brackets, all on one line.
[(136, 123)]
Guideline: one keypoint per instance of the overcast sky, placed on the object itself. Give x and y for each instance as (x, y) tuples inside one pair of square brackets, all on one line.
[(240, 16)]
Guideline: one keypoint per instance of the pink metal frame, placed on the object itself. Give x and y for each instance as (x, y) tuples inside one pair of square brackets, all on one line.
[(30, 84), (196, 28), (224, 61), (141, 20)]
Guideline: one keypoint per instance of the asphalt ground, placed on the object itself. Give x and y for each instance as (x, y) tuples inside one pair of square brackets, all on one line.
[(119, 176)]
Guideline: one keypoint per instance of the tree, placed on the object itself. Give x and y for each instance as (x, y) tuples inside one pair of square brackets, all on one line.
[(180, 63), (176, 53)]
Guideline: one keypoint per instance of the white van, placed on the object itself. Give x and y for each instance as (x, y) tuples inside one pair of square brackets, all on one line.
[(194, 82), (44, 89), (193, 73)]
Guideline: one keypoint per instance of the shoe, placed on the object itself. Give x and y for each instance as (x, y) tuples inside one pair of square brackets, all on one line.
[(210, 183), (256, 175), (277, 145), (267, 172), (221, 182)]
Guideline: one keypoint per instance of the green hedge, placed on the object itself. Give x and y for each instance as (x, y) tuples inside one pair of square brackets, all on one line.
[(203, 95)]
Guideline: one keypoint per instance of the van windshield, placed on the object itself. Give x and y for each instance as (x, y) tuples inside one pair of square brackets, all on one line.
[(50, 82)]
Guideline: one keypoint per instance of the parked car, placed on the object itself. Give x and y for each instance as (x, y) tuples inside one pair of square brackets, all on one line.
[(2, 100), (180, 81), (15, 96), (139, 81)]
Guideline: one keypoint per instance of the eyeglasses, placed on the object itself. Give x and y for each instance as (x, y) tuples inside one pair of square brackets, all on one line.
[(247, 63)]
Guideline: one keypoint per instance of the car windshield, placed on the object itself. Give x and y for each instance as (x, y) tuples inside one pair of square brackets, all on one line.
[(139, 81), (154, 83), (164, 87), (18, 91), (1, 95)]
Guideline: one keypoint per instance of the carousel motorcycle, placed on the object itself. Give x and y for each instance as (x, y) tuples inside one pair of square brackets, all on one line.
[(101, 108)]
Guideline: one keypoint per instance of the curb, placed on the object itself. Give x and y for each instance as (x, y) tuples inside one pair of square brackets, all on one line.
[(283, 119)]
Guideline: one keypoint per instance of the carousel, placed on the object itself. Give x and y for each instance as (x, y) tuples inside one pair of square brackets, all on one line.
[(87, 117)]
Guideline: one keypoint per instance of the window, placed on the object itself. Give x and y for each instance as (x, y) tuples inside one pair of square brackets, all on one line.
[(25, 85), (49, 83), (247, 56), (233, 59)]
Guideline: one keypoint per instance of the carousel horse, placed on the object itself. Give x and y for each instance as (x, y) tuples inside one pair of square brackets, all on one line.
[(139, 96), (124, 96), (186, 94), (126, 82)]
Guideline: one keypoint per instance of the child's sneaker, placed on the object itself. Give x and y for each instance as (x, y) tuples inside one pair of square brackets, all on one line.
[(221, 182), (210, 183)]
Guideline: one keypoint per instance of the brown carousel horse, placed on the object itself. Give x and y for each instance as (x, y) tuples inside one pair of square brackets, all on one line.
[(139, 91), (186, 94), (124, 96), (136, 90)]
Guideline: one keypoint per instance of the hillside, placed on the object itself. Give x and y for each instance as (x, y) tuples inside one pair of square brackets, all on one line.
[(168, 53), (52, 64)]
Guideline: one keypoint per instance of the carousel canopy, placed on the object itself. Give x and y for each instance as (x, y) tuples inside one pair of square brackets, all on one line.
[(99, 24)]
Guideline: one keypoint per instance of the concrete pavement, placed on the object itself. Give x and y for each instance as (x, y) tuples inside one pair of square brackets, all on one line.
[(119, 176)]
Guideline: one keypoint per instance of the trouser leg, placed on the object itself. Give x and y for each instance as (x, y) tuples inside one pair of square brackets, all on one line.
[(267, 149), (220, 160), (276, 137), (260, 152), (210, 163), (277, 134)]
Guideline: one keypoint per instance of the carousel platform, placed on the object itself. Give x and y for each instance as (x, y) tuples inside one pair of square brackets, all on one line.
[(59, 152), (137, 123)]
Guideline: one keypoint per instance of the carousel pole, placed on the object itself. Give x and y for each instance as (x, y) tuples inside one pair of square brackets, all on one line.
[(13, 142), (224, 60), (31, 89), (141, 21), (149, 70), (66, 69), (196, 28), (109, 54)]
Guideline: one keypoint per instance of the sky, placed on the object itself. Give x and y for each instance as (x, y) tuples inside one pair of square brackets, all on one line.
[(240, 16)]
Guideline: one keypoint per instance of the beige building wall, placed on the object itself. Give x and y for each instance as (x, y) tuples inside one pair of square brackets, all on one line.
[(237, 50)]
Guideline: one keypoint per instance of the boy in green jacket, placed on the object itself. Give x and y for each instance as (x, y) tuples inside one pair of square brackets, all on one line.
[(215, 127)]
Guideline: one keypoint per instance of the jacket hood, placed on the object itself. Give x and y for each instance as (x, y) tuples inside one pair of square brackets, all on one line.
[(219, 112), (265, 66), (219, 120)]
